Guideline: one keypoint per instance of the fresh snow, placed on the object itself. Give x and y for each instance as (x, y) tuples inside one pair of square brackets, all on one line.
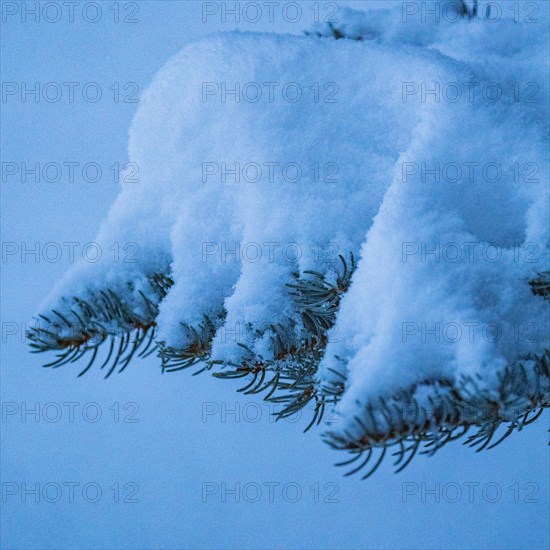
[(383, 208)]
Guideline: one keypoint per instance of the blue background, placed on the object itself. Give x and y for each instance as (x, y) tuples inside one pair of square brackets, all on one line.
[(172, 450)]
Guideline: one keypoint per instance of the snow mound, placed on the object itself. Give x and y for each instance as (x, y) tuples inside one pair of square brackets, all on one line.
[(421, 150)]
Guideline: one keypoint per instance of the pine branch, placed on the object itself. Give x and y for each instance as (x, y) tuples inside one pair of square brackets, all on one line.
[(173, 359), (347, 30), (85, 325), (291, 376), (402, 425), (541, 285), (405, 422)]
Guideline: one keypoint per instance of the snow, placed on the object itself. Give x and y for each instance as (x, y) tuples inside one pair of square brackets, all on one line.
[(464, 309), (382, 207)]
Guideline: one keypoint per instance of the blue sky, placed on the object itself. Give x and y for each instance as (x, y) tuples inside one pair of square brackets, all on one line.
[(170, 442)]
